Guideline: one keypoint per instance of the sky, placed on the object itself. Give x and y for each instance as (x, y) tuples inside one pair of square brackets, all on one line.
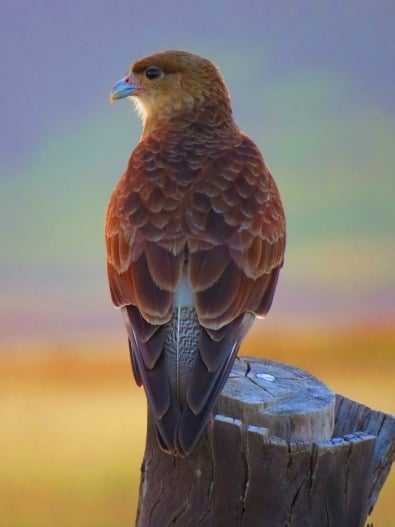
[(311, 82)]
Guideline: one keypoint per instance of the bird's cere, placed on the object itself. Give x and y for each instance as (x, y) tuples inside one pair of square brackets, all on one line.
[(124, 88)]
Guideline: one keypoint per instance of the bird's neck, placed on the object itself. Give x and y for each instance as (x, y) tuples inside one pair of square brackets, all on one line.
[(206, 120)]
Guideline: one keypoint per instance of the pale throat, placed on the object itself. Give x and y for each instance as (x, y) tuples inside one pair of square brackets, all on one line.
[(163, 109)]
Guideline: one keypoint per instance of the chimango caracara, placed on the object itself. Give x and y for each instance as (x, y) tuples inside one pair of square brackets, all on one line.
[(195, 236)]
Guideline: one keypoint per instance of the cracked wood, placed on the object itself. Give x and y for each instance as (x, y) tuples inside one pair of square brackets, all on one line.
[(254, 468)]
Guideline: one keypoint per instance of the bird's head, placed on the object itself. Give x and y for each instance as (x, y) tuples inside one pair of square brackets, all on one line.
[(172, 83)]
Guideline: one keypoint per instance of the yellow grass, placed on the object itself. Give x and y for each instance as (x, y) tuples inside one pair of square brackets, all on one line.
[(73, 422)]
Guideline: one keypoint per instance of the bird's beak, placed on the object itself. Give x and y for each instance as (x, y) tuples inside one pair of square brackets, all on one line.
[(124, 88)]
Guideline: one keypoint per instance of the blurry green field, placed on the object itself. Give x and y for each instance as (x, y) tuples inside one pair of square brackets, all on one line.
[(73, 422)]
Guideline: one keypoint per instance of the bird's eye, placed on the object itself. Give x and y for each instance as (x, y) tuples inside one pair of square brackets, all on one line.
[(152, 73)]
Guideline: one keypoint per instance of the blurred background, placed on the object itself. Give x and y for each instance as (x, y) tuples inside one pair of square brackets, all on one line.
[(313, 84)]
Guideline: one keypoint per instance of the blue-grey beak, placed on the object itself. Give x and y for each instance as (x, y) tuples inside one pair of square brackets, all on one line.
[(123, 88)]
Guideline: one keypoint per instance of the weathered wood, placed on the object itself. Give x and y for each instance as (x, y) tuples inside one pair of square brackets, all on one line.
[(289, 402), (353, 416), (241, 474)]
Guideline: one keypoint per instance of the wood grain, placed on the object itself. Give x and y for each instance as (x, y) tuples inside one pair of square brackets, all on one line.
[(242, 474)]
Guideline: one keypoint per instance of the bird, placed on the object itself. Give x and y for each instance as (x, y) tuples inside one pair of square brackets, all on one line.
[(195, 237)]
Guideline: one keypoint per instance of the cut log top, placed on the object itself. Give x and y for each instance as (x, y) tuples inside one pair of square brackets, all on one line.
[(281, 450), (289, 402)]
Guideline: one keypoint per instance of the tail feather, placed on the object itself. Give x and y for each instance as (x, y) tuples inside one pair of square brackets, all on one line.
[(183, 367), (205, 385)]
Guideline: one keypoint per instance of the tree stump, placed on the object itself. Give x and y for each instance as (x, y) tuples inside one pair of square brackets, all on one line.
[(281, 450)]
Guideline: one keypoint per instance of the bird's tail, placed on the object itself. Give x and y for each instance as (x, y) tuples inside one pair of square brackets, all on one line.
[(181, 346), (183, 367)]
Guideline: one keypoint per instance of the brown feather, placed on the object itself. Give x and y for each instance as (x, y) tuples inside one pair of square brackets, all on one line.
[(196, 203)]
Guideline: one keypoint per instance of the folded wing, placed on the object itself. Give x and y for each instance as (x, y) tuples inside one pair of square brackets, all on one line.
[(226, 231)]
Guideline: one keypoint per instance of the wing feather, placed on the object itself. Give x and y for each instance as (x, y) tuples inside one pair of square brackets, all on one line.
[(221, 217), (146, 343), (205, 271), (236, 227)]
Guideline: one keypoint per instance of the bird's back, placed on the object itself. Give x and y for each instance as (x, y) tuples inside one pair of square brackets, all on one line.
[(195, 236)]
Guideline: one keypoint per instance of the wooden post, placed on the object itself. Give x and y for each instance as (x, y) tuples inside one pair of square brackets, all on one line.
[(281, 450)]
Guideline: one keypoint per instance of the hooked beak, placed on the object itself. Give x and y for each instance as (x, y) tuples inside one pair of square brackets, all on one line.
[(124, 88)]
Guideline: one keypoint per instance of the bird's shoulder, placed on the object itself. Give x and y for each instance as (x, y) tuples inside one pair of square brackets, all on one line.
[(235, 195)]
